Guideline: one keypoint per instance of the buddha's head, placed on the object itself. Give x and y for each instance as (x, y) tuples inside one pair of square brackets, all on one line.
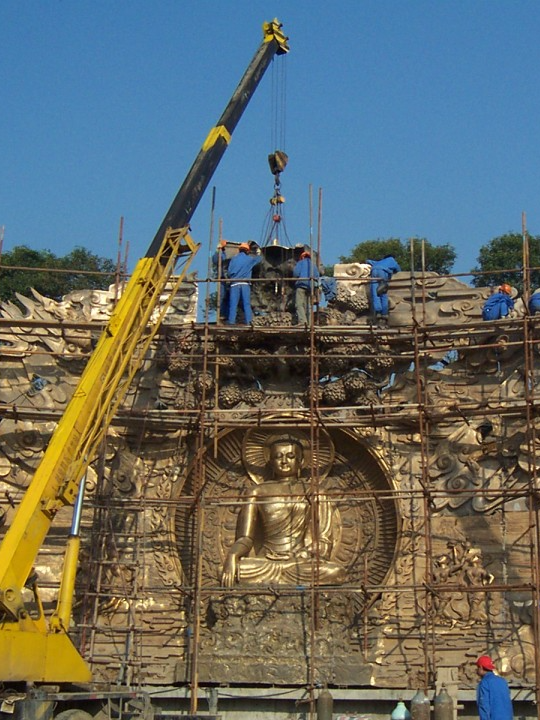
[(286, 457)]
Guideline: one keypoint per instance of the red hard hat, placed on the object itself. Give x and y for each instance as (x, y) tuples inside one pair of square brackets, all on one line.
[(506, 288), (485, 662), (305, 254)]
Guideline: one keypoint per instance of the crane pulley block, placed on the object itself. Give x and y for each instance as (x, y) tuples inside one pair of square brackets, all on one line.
[(278, 162)]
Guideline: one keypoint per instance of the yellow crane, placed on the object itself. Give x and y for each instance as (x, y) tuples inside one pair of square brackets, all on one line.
[(32, 647)]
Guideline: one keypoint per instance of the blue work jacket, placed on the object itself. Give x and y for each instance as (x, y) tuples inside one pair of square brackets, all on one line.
[(241, 266), (497, 306), (215, 262), (493, 698), (384, 268), (304, 269), (534, 303)]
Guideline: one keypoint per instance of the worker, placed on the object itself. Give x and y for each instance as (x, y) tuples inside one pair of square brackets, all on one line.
[(219, 263), (239, 273), (492, 693), (499, 304), (381, 272), (307, 280), (534, 302)]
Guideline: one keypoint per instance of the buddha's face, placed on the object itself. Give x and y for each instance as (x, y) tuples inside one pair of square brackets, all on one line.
[(285, 459)]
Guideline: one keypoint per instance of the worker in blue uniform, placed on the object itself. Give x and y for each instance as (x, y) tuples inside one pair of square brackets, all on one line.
[(239, 273), (492, 692), (499, 304), (534, 302), (307, 280), (381, 272), (219, 264)]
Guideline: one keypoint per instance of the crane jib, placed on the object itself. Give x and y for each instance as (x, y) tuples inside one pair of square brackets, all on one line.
[(190, 193)]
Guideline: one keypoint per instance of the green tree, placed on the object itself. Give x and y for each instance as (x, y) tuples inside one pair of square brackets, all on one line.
[(23, 268), (501, 260), (438, 258)]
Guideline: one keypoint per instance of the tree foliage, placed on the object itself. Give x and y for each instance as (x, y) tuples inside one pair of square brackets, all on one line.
[(501, 261), (50, 275), (438, 258)]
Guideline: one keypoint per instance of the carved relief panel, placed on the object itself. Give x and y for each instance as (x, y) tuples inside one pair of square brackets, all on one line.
[(272, 526)]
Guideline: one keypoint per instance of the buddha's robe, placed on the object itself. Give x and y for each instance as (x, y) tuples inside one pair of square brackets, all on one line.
[(289, 553)]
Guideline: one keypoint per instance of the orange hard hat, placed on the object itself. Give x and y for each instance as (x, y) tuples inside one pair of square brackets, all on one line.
[(244, 246), (485, 662), (506, 288), (305, 254)]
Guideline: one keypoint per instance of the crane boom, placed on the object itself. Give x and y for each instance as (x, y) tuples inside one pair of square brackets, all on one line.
[(197, 179), (32, 649)]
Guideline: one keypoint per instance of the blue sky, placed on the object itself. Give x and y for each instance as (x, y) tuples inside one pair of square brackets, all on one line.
[(415, 117)]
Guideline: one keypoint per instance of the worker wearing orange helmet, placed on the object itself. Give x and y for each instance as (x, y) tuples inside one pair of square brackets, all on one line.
[(499, 304), (492, 693), (307, 280), (239, 273)]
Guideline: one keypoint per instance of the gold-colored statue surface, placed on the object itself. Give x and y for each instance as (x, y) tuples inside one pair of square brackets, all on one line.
[(297, 526), (275, 511)]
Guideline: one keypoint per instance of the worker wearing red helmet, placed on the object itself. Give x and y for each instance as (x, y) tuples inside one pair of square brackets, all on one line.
[(239, 273), (499, 304), (307, 280), (492, 693)]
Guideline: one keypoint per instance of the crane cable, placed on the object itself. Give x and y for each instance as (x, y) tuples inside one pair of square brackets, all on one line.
[(278, 104), (274, 231)]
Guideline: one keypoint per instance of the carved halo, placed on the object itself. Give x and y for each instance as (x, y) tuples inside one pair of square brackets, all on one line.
[(256, 451)]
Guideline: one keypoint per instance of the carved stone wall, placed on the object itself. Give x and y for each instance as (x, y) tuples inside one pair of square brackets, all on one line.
[(430, 483)]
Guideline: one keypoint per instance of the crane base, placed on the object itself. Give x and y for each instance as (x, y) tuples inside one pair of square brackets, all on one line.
[(34, 657)]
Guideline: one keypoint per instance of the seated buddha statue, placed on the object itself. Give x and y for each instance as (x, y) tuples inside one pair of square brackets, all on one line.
[(281, 537)]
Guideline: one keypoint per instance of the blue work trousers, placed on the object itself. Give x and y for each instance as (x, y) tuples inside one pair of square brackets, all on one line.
[(240, 292), (497, 311), (379, 303)]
